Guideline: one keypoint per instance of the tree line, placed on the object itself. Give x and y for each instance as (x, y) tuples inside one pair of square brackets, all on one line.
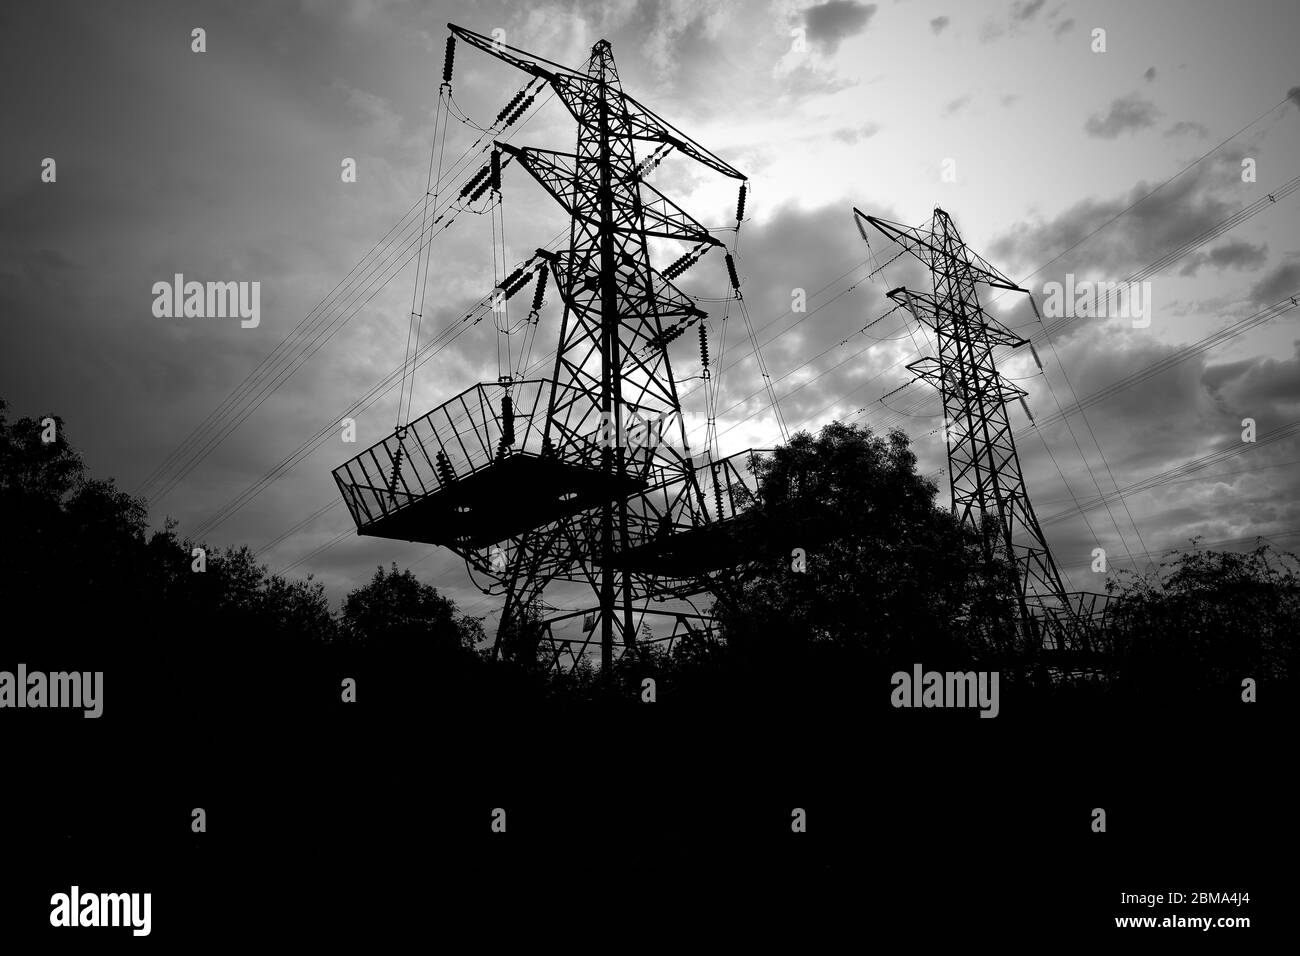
[(886, 577)]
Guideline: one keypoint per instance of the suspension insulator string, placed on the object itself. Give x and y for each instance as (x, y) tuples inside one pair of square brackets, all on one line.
[(731, 273), (507, 424), (687, 260), (505, 110), (397, 466), (644, 167), (510, 279), (673, 332), (1028, 413), (539, 293), (478, 177), (442, 464), (498, 299), (448, 59), (519, 110), (516, 286), (516, 105)]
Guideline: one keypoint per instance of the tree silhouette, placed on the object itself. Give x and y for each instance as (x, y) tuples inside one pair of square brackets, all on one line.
[(888, 579), (1202, 622), (395, 611), (886, 573)]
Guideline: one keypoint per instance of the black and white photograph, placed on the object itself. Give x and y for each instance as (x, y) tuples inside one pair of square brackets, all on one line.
[(649, 472)]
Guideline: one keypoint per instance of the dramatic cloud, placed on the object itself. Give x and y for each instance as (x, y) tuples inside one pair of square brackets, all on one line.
[(1187, 127), (1026, 9), (805, 81), (1131, 230), (240, 179), (1156, 426), (822, 367), (857, 134), (955, 106), (1129, 112), (1021, 15), (1237, 254), (1282, 281), (1265, 386), (829, 23)]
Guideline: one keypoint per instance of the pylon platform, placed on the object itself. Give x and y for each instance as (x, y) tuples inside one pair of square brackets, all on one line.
[(451, 477)]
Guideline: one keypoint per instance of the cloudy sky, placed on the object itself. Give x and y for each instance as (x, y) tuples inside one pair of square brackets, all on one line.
[(226, 165)]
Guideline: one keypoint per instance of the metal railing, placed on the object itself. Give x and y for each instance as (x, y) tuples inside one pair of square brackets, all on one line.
[(460, 438)]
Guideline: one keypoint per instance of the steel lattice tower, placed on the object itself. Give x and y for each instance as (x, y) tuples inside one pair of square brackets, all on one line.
[(586, 476), (984, 469), (615, 304), (611, 365)]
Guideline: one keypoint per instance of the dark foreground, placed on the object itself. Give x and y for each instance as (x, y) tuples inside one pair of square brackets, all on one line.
[(373, 820)]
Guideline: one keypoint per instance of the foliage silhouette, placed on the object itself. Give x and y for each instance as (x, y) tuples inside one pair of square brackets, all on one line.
[(891, 579)]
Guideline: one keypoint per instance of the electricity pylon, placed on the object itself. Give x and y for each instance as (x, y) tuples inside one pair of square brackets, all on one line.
[(615, 304), (587, 475), (988, 485)]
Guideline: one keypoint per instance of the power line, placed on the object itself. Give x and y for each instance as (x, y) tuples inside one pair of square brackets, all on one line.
[(1181, 355), (224, 410), (443, 340), (1179, 473), (1207, 545), (1137, 202), (1270, 199), (313, 443)]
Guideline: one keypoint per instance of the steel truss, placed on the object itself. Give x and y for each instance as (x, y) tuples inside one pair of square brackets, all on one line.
[(566, 481), (984, 470)]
